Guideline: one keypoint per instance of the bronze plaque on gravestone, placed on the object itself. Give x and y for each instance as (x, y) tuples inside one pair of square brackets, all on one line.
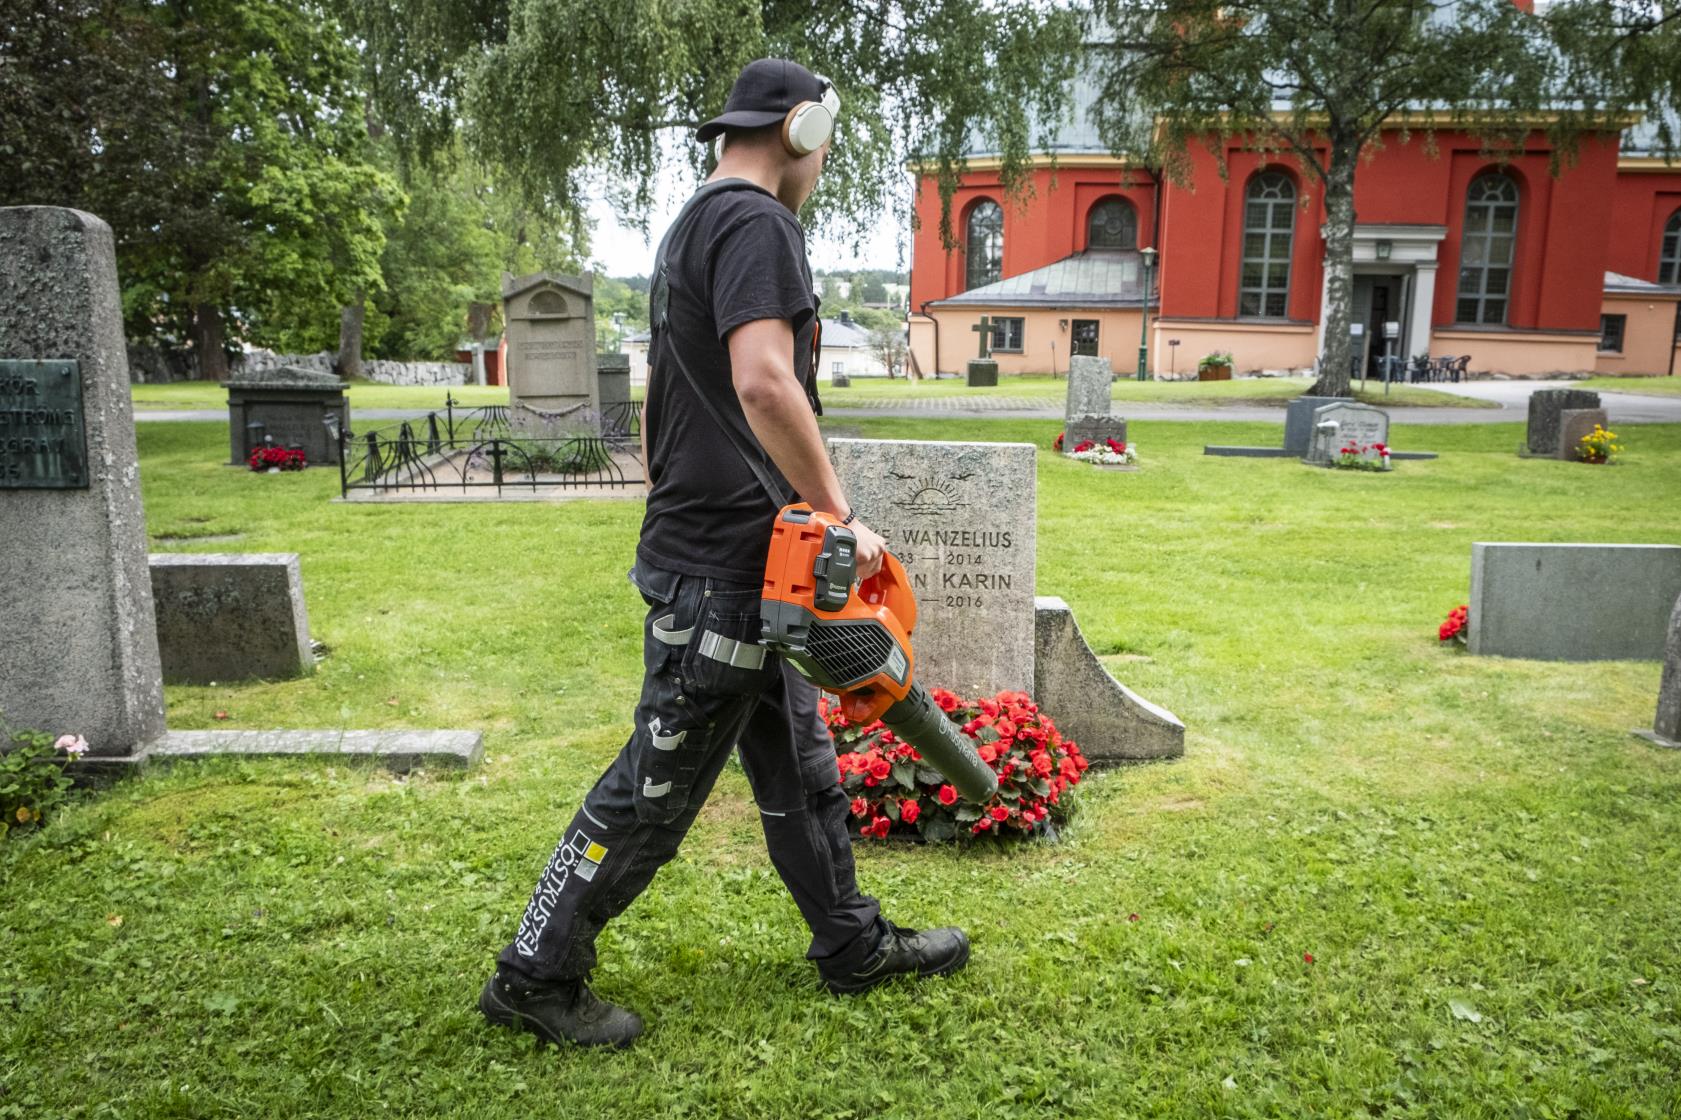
[(43, 435)]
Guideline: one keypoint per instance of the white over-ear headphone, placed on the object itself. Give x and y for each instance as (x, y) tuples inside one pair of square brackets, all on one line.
[(809, 124)]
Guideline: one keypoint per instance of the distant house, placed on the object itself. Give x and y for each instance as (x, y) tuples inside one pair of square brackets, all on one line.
[(846, 349), (636, 345)]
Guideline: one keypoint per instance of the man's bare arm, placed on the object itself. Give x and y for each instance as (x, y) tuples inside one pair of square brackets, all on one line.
[(762, 369)]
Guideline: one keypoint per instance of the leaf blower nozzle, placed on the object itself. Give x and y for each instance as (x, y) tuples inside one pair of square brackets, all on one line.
[(854, 639)]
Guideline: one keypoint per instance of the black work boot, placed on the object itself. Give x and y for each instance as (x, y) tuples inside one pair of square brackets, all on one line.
[(937, 952), (566, 1010)]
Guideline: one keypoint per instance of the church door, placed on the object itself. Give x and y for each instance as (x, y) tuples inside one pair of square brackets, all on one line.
[(1085, 337)]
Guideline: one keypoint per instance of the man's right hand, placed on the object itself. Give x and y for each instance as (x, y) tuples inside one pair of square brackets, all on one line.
[(871, 548)]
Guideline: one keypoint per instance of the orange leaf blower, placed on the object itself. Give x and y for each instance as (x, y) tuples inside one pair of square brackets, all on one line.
[(854, 639)]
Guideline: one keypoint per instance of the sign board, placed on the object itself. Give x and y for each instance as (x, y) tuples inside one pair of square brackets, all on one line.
[(43, 432)]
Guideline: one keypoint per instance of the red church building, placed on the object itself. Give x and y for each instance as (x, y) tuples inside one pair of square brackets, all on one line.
[(1464, 254)]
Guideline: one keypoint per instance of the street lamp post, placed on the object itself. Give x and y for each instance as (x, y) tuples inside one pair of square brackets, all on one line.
[(1149, 256)]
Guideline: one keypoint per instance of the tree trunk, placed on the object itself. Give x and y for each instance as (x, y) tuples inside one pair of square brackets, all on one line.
[(210, 342), (1336, 356), (350, 336)]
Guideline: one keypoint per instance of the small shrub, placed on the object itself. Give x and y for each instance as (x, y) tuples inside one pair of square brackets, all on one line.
[(1598, 446), (33, 780), (893, 789)]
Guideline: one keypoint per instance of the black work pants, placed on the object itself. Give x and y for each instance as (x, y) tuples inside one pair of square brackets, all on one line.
[(701, 697)]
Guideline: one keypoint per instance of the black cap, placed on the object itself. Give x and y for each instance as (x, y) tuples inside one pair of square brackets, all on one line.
[(763, 94)]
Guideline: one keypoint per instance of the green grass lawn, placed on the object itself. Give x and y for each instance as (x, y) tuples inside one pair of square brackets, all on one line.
[(866, 392), (1482, 862), (363, 394), (880, 392), (1649, 386)]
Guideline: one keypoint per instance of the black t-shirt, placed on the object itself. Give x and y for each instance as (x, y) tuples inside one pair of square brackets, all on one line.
[(736, 255)]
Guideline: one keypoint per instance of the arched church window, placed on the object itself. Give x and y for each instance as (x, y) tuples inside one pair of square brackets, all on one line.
[(1269, 223), (984, 244), (1669, 258), (1113, 224), (1488, 248)]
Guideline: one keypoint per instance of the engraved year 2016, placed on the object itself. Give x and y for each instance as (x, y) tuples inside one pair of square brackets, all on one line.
[(963, 600)]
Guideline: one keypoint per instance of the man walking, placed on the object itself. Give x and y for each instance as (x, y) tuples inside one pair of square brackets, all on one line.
[(729, 435)]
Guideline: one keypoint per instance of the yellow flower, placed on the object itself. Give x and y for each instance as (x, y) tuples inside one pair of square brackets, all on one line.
[(24, 814)]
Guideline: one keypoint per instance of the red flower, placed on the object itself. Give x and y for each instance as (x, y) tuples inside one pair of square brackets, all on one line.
[(987, 752), (1307, 958), (1132, 917), (880, 769), (1056, 444), (982, 825), (909, 810), (1042, 764), (858, 806), (1084, 445), (999, 813), (946, 700), (879, 827), (947, 795)]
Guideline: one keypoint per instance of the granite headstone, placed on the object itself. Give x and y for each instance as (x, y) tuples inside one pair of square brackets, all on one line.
[(552, 383), (961, 518), (78, 647), (1545, 405), (287, 406), (1298, 421), (1666, 725), (1572, 602), (1573, 424), (982, 372), (1344, 423), (1089, 379), (230, 616)]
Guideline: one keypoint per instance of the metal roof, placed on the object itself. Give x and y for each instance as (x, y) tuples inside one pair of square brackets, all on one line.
[(1617, 283), (1093, 278)]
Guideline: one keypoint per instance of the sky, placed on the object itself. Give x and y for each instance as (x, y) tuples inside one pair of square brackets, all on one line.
[(619, 250)]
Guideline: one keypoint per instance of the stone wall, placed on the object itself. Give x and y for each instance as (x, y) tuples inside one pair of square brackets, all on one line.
[(151, 364), (374, 369)]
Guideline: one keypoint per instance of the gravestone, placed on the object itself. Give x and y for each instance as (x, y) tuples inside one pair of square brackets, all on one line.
[(1545, 405), (552, 384), (78, 649), (982, 372), (1298, 421), (1572, 602), (230, 616), (1573, 424), (840, 380), (1340, 423), (287, 406), (612, 372), (961, 518), (1089, 379), (1109, 721), (1666, 725), (1087, 415)]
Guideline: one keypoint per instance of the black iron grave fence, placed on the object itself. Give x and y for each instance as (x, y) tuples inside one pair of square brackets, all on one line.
[(480, 448)]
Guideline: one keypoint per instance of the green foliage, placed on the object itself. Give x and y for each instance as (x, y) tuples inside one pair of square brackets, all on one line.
[(32, 779), (558, 91), (223, 141)]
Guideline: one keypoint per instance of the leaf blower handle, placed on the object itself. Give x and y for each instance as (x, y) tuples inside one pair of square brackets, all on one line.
[(855, 640)]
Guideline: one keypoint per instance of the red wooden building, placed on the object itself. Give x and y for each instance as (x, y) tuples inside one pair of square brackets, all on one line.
[(1465, 255)]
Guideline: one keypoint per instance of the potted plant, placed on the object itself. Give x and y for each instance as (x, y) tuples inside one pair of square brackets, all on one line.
[(1215, 366)]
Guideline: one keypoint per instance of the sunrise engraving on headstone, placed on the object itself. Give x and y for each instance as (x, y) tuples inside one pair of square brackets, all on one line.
[(43, 432)]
